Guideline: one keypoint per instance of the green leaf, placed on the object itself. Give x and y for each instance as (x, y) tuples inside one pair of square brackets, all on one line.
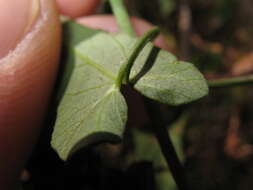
[(175, 83), (94, 114), (91, 108), (167, 7), (73, 34), (158, 75), (146, 148)]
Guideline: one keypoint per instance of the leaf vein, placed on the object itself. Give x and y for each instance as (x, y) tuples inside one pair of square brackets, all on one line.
[(89, 62), (150, 86), (167, 76), (87, 90)]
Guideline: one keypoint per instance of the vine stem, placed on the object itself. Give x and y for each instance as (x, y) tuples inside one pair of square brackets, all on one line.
[(125, 69), (159, 128), (122, 17), (231, 81)]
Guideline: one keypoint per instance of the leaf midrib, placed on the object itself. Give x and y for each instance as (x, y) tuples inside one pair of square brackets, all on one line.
[(88, 61), (78, 125), (91, 107)]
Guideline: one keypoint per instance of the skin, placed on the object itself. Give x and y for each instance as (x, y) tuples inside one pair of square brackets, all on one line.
[(29, 56), (77, 8), (27, 75), (109, 24)]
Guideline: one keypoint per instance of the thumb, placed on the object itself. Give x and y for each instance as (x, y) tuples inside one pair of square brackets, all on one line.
[(13, 29), (29, 51)]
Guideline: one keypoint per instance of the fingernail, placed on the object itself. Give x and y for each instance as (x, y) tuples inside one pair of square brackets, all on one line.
[(16, 19)]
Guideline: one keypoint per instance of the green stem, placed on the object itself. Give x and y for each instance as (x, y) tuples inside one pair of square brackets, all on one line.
[(159, 127), (122, 17), (231, 81), (125, 69), (164, 140)]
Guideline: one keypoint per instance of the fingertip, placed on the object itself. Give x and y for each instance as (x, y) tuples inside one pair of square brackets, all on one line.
[(13, 28), (100, 22), (27, 76), (77, 8), (108, 23)]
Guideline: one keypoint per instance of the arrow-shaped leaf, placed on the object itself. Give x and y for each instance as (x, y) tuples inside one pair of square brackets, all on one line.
[(158, 75), (91, 108)]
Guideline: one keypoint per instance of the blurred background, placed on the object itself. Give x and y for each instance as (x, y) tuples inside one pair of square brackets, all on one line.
[(213, 136)]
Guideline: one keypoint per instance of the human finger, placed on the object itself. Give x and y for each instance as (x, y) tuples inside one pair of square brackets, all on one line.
[(13, 29), (109, 24), (27, 74), (77, 8)]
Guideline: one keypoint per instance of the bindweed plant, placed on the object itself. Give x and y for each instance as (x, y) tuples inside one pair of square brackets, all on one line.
[(92, 108)]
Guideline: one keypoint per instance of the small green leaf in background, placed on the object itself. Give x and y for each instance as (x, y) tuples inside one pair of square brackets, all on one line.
[(146, 148), (167, 6), (91, 108)]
